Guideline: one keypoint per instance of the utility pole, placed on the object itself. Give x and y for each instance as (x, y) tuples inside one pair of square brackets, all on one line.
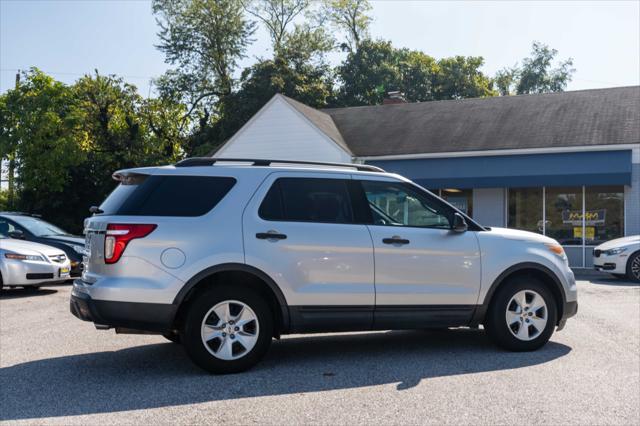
[(12, 166)]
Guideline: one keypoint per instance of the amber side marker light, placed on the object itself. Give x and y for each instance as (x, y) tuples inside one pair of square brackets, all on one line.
[(556, 248)]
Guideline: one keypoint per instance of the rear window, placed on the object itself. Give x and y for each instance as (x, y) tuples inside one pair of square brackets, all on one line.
[(159, 195), (307, 200)]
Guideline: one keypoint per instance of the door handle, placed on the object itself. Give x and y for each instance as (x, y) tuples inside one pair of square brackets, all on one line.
[(395, 240), (270, 235)]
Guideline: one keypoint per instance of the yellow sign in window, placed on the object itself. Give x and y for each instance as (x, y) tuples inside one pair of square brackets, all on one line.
[(590, 232)]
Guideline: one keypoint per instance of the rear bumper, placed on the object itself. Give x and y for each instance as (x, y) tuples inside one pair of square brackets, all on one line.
[(155, 317)]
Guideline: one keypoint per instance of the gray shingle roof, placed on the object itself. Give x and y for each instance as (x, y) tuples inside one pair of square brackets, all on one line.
[(579, 118)]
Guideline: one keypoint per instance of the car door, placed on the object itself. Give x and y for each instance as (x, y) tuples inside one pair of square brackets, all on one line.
[(424, 271), (301, 230)]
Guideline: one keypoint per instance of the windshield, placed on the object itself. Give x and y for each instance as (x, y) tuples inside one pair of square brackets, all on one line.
[(38, 227)]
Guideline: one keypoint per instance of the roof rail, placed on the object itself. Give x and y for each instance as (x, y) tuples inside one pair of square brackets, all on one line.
[(210, 161)]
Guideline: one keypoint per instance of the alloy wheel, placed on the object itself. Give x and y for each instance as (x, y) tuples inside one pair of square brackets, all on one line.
[(526, 315), (230, 330), (635, 268)]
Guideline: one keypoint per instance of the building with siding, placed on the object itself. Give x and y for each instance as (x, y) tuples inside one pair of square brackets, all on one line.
[(563, 164)]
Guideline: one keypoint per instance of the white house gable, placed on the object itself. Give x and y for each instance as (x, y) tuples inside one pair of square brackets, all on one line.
[(279, 131)]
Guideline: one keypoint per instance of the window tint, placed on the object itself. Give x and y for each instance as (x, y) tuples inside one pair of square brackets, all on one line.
[(397, 204), (168, 196), (308, 200), (6, 227)]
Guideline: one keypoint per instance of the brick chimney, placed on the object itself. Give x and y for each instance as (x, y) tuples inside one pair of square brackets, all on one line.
[(394, 98)]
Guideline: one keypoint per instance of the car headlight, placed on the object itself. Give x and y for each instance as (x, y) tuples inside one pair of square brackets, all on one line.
[(16, 256), (613, 251)]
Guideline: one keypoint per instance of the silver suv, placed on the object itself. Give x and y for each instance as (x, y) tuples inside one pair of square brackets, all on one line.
[(224, 255)]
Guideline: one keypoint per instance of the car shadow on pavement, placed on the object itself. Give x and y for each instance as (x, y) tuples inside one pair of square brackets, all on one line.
[(17, 293), (161, 375)]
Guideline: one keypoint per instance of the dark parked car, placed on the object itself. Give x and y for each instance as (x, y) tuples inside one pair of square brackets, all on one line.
[(31, 228)]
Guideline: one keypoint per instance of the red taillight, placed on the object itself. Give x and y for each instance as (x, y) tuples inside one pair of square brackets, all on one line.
[(119, 235)]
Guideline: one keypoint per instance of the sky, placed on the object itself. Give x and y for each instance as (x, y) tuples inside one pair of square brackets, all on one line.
[(73, 37)]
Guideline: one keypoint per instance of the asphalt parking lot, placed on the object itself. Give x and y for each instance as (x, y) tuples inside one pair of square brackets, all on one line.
[(57, 369)]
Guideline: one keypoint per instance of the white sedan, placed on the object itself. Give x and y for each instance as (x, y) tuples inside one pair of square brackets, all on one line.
[(620, 257), (28, 264)]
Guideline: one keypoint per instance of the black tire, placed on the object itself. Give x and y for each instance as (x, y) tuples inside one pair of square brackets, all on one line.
[(172, 336), (200, 306), (635, 277), (495, 322), (620, 276)]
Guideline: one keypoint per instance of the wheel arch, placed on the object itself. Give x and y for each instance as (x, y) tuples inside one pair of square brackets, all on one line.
[(199, 280), (529, 269)]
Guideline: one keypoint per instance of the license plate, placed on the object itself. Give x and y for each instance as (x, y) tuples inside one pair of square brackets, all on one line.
[(64, 271)]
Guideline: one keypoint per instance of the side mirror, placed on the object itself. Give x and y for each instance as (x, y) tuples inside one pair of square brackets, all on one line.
[(459, 224), (17, 234)]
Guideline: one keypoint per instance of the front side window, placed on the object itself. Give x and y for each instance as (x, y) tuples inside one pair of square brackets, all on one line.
[(307, 200), (397, 204)]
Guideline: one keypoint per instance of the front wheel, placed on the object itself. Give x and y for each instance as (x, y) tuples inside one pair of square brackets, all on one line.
[(633, 267), (522, 315), (227, 330)]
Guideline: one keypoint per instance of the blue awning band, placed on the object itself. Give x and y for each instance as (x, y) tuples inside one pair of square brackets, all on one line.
[(534, 170)]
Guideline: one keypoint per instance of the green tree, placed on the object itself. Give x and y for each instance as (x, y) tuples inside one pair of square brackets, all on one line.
[(351, 16), (368, 74), (537, 74), (460, 77), (376, 68), (203, 40), (68, 140), (42, 128), (505, 80), (276, 16)]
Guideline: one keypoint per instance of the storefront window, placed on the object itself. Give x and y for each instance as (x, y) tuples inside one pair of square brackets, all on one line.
[(563, 220), (462, 199), (525, 209), (604, 214)]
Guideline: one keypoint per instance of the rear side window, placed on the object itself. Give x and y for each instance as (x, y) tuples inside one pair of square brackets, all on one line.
[(159, 195), (307, 200)]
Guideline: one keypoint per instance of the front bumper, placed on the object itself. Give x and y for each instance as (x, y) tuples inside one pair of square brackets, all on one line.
[(154, 317), (570, 310), (27, 273), (614, 264)]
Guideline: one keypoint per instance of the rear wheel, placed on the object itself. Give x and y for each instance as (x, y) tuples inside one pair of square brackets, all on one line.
[(633, 267), (227, 330), (522, 315)]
